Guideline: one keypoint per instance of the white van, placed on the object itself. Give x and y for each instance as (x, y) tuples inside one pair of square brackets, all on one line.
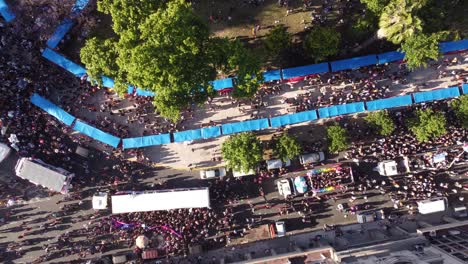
[(238, 174), (277, 164), (285, 187), (434, 205), (311, 158)]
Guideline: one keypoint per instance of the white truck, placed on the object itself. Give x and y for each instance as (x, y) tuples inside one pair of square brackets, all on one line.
[(433, 205)]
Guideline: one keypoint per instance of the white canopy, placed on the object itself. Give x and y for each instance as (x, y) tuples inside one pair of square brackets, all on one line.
[(4, 151), (100, 201)]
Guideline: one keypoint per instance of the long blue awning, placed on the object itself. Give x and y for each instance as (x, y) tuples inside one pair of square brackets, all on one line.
[(391, 56), (305, 70), (353, 63), (343, 109), (438, 94), (6, 12), (245, 126), (63, 62), (187, 135), (284, 120), (391, 102), (146, 141), (211, 132), (465, 88), (59, 33), (52, 109), (96, 134), (458, 45), (274, 75), (222, 84)]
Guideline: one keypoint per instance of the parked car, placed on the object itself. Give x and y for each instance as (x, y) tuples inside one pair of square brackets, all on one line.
[(300, 184), (280, 228), (277, 164), (311, 158), (238, 174), (285, 187), (214, 173)]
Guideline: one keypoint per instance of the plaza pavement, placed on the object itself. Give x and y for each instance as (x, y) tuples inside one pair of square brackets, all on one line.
[(200, 154)]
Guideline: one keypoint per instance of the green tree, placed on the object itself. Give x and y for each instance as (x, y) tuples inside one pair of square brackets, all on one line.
[(420, 48), (375, 6), (100, 56), (287, 147), (399, 21), (460, 106), (381, 122), (242, 152), (322, 42), (277, 40), (337, 138), (427, 125)]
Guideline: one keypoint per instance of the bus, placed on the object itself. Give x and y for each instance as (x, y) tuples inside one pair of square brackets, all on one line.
[(130, 202), (40, 173)]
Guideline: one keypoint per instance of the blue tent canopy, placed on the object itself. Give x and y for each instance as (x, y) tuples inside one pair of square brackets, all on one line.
[(222, 84), (250, 125), (453, 46), (211, 132), (6, 12), (146, 141), (52, 109), (391, 102), (79, 6), (305, 70), (107, 82), (353, 63), (59, 33), (293, 118), (63, 62), (274, 75), (391, 56), (465, 88), (436, 94), (187, 135), (141, 92), (96, 134), (341, 109)]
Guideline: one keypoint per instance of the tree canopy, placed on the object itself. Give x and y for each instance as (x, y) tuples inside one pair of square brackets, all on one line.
[(322, 42), (242, 152), (277, 40), (460, 106), (427, 125), (381, 122), (287, 147), (375, 6), (420, 48), (337, 138)]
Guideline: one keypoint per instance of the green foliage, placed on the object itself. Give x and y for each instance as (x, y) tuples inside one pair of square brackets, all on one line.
[(362, 28), (427, 125), (375, 6), (100, 55), (337, 138), (277, 40), (287, 147), (322, 42), (242, 152), (420, 48), (381, 122), (460, 106), (398, 21)]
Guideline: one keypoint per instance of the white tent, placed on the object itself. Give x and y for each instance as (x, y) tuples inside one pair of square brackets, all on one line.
[(100, 201), (4, 151)]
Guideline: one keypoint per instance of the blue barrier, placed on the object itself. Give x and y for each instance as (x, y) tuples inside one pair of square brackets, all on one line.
[(6, 12), (245, 126), (458, 45), (305, 70), (391, 56), (274, 75), (146, 141), (465, 88), (187, 135), (79, 6), (436, 94), (343, 109), (96, 134), (211, 132), (353, 63), (63, 62), (52, 109), (397, 101), (142, 92), (59, 33), (222, 84), (293, 118)]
